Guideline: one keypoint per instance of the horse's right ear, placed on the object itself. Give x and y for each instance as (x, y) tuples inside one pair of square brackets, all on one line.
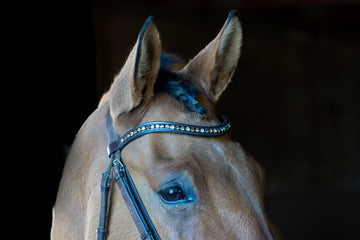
[(135, 82)]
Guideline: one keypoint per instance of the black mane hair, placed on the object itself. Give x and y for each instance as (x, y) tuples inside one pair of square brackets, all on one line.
[(174, 84)]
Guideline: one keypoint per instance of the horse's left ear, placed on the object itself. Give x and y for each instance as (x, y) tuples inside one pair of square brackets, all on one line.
[(212, 69), (134, 84)]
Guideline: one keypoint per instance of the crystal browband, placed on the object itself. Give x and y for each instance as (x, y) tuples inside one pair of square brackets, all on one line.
[(170, 127)]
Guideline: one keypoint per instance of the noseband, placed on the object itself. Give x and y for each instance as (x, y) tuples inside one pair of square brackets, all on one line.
[(122, 177)]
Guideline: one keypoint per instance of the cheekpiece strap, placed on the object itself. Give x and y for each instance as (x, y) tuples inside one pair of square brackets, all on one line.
[(168, 127)]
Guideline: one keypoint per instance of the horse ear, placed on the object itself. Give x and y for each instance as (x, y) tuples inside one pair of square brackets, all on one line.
[(213, 68), (135, 82)]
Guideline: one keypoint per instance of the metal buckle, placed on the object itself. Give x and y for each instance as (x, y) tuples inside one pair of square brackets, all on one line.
[(119, 169)]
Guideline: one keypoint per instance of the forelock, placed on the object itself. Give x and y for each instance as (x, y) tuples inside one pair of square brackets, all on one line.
[(175, 85)]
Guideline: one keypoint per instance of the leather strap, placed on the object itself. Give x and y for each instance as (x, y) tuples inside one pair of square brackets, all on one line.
[(133, 202), (168, 127), (104, 203)]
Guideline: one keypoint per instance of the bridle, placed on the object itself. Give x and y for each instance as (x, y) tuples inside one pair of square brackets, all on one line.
[(122, 177)]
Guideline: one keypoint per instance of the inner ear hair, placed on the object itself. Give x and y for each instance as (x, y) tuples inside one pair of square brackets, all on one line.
[(147, 62), (134, 85), (212, 68), (227, 55)]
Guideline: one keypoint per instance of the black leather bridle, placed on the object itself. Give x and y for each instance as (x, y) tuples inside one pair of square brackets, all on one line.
[(122, 177)]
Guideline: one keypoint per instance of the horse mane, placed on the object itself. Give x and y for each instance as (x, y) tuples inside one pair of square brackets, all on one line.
[(175, 85)]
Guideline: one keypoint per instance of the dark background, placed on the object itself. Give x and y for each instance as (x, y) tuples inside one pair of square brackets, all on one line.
[(293, 101)]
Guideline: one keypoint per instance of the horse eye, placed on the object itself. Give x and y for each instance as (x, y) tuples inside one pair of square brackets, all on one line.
[(172, 194)]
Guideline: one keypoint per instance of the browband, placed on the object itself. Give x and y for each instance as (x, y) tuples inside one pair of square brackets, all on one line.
[(168, 127)]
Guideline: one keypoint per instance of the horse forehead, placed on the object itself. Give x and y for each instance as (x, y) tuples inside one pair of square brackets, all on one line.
[(175, 153), (219, 159), (174, 146)]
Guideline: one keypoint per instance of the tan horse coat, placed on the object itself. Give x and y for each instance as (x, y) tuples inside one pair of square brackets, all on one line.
[(228, 183)]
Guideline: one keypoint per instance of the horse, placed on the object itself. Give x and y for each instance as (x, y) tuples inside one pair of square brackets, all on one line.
[(192, 187)]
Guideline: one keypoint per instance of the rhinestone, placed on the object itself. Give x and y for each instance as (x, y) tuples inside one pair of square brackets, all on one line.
[(152, 126), (122, 140), (131, 133), (167, 126), (143, 128), (215, 130), (187, 129), (162, 126), (139, 129), (182, 128), (210, 130), (202, 130), (197, 130), (172, 126), (157, 125)]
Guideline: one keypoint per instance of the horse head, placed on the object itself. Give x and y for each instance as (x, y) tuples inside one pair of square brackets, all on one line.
[(192, 187)]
